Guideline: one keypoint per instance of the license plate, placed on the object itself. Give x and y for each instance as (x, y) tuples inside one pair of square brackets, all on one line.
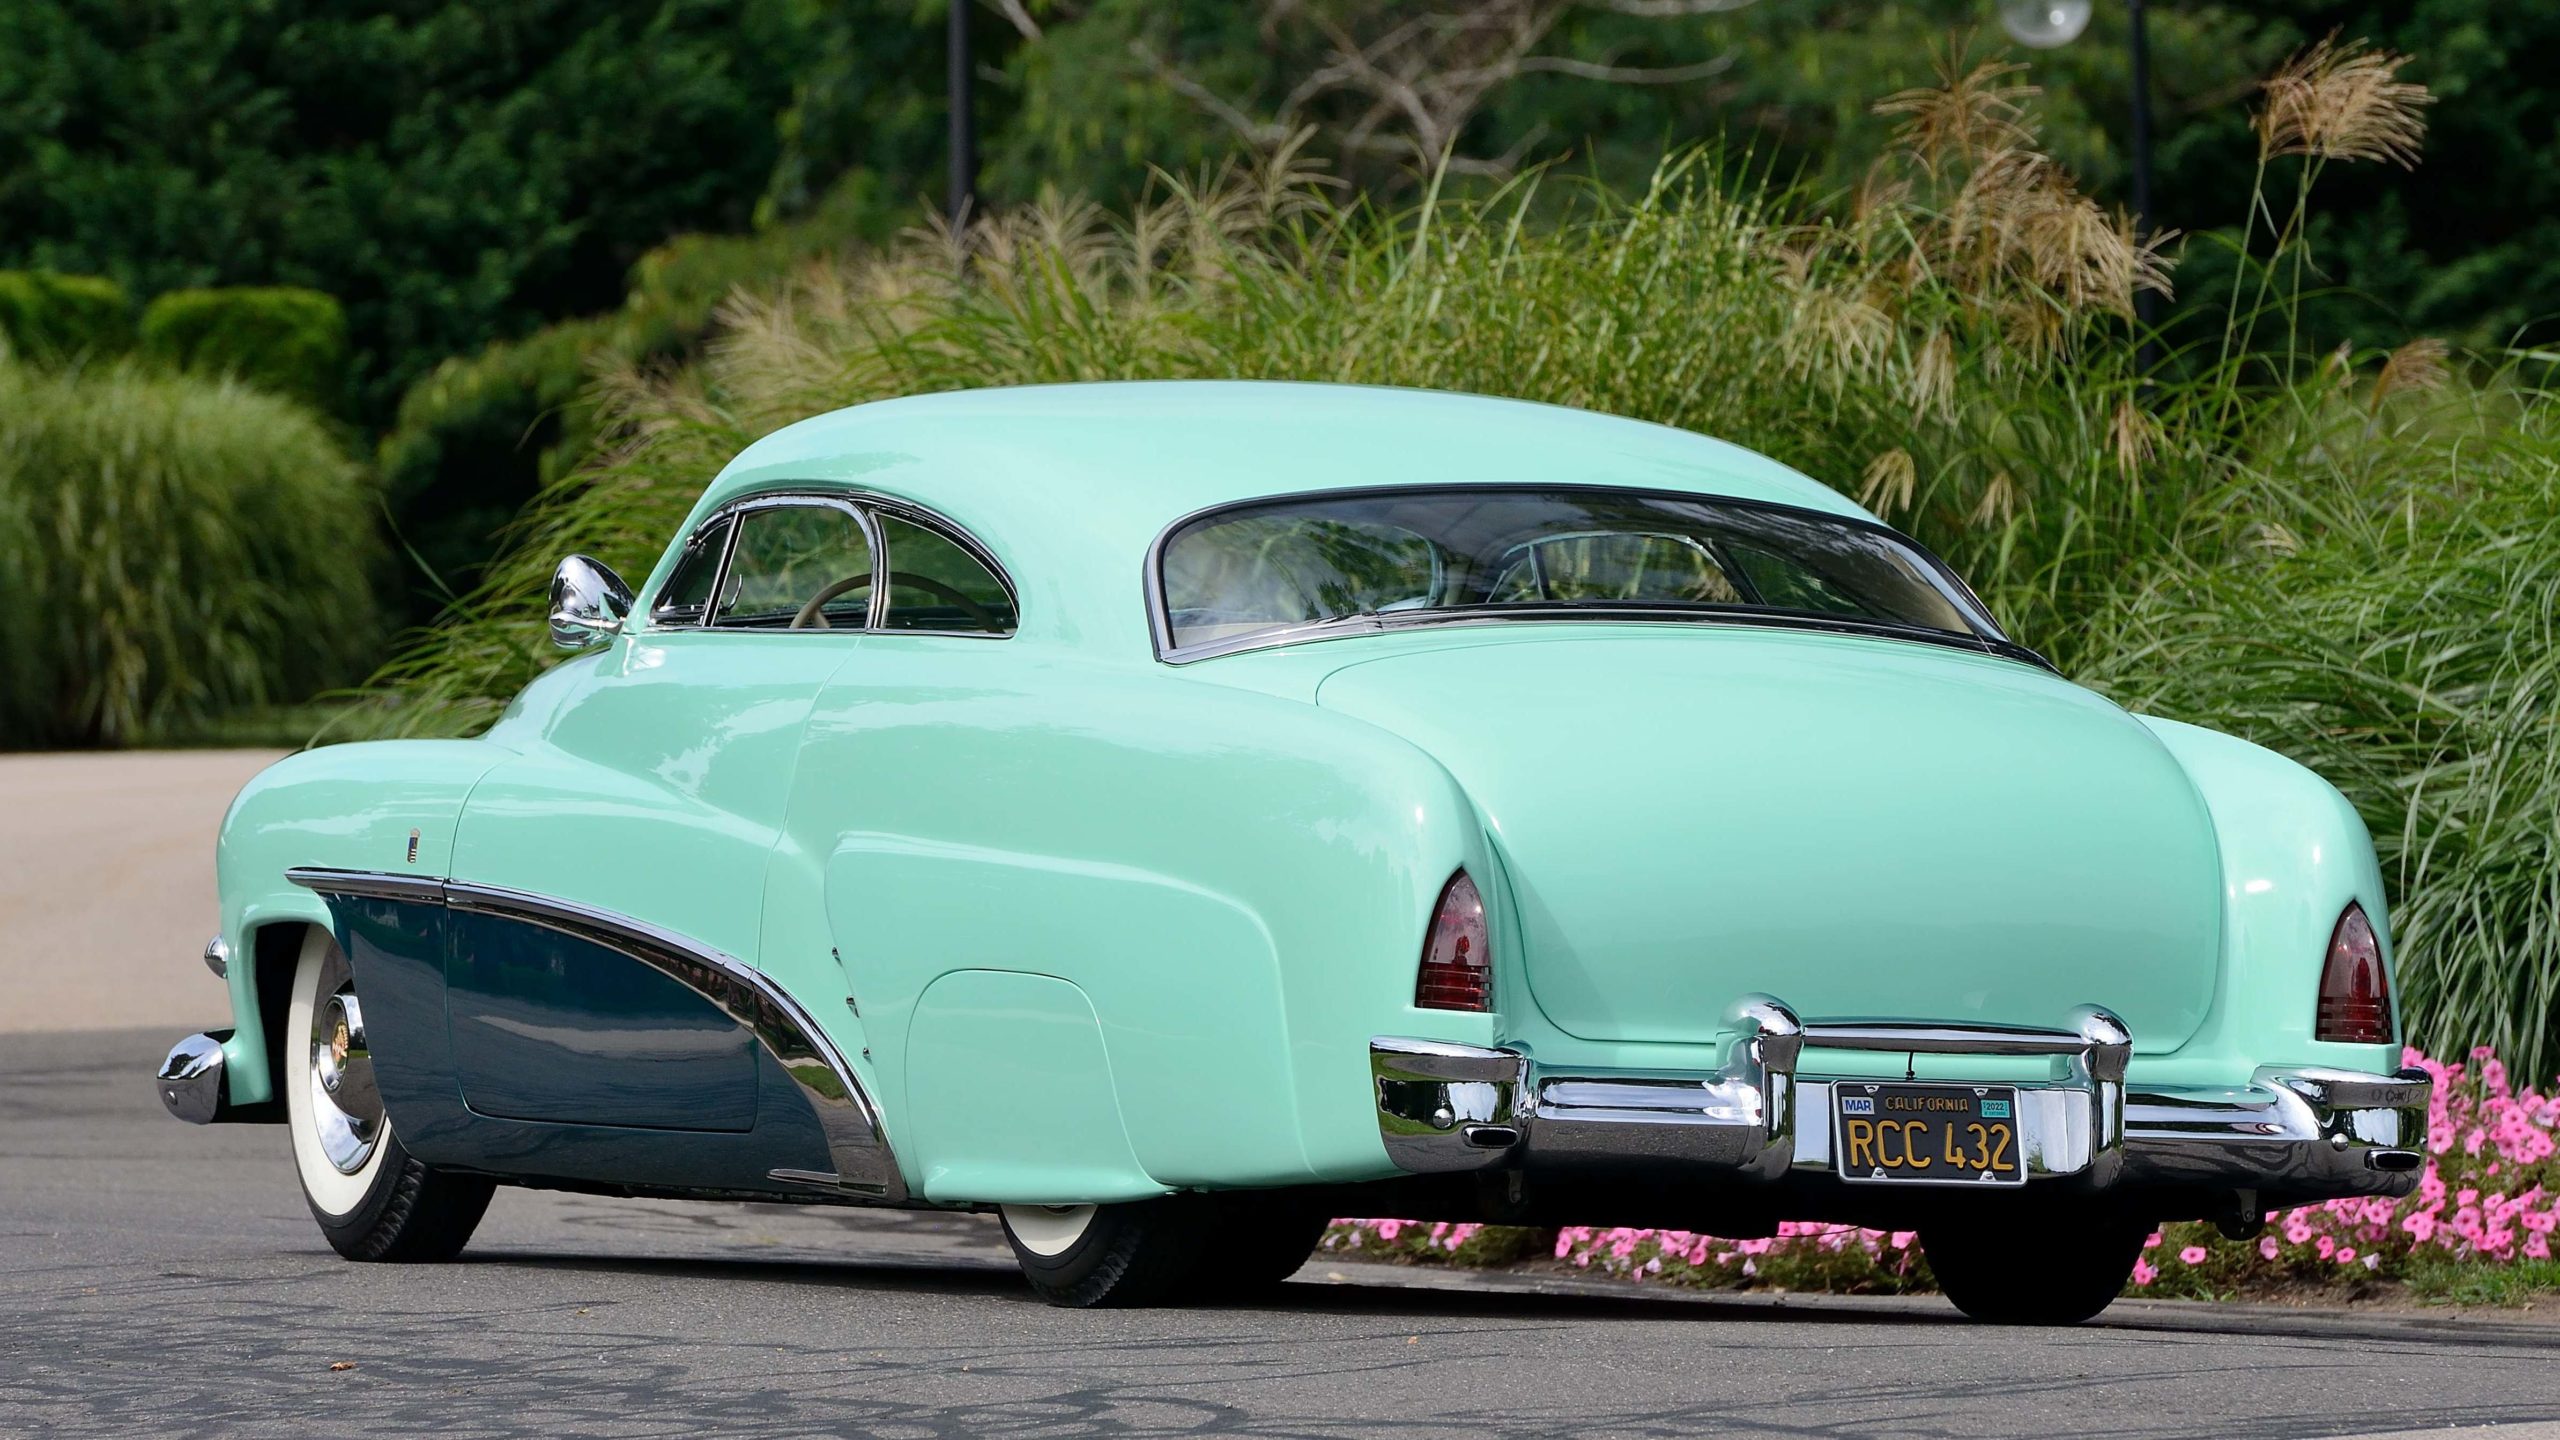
[(1926, 1134)]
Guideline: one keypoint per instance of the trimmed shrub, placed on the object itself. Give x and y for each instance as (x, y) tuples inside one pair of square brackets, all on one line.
[(292, 342), (52, 319), (170, 547)]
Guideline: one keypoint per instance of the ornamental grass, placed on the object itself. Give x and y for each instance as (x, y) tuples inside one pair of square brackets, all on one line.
[(171, 548)]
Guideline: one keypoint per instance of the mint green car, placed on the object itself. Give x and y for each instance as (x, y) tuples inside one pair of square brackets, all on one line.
[(1168, 815)]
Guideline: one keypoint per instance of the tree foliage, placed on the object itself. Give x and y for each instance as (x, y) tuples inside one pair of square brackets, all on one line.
[(451, 173), (2466, 245)]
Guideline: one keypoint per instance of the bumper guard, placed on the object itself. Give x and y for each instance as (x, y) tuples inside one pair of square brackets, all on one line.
[(190, 1080)]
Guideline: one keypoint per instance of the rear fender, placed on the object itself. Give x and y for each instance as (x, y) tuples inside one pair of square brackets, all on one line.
[(2294, 854)]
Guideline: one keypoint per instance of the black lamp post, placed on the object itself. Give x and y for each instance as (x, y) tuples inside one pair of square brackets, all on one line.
[(961, 77)]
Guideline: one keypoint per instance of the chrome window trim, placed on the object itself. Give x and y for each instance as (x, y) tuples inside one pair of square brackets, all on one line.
[(1992, 641), (659, 618), (856, 1138), (866, 508), (791, 500)]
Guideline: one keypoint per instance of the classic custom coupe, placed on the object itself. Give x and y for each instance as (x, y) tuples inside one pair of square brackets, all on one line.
[(1167, 815)]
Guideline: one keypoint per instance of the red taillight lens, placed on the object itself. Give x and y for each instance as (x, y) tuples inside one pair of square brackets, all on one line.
[(1457, 956), (2355, 996)]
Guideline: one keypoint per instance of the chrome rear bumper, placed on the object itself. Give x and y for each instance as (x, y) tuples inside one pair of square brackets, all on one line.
[(2290, 1134)]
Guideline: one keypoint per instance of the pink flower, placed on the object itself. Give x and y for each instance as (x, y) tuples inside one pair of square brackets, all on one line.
[(2144, 1272), (2484, 1197)]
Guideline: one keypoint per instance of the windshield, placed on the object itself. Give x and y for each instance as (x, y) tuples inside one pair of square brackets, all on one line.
[(1264, 572)]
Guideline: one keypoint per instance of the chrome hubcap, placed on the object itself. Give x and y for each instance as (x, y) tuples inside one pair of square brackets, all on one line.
[(346, 1109)]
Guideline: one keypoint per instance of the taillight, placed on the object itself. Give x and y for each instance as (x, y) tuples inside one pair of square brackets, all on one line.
[(1457, 954), (2355, 996)]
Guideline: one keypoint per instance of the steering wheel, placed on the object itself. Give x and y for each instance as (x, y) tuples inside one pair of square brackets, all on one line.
[(812, 616)]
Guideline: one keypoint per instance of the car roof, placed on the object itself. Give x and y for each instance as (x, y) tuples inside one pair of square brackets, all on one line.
[(1071, 484)]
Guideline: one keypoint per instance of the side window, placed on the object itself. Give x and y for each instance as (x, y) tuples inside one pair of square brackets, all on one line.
[(688, 589), (797, 567), (934, 584)]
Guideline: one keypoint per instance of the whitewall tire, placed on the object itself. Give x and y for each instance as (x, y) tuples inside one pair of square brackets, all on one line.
[(374, 1200)]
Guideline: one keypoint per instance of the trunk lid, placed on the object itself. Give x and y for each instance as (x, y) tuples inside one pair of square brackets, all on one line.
[(1860, 827)]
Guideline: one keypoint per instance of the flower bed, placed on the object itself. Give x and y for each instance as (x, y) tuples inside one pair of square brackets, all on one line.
[(2480, 1226)]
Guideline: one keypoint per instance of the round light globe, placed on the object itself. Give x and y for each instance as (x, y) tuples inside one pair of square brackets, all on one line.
[(2044, 24)]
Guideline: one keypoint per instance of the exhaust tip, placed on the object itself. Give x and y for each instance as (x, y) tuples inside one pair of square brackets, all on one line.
[(2394, 1162), (1492, 1137)]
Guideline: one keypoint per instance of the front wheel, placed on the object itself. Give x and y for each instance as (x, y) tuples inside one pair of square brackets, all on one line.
[(2055, 1267), (373, 1199)]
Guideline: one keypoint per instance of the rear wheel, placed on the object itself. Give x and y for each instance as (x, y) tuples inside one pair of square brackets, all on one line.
[(373, 1199), (2048, 1267), (1164, 1251)]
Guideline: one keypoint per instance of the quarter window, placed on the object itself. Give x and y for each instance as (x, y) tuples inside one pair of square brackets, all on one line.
[(798, 567), (681, 599), (936, 584)]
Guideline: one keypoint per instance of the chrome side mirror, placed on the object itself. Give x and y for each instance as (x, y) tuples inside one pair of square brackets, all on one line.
[(588, 603)]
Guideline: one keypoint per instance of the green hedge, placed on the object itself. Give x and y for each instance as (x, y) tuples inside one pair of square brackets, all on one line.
[(171, 547), (48, 318), (293, 342)]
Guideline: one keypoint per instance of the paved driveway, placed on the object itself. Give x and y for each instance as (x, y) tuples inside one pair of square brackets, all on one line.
[(106, 886)]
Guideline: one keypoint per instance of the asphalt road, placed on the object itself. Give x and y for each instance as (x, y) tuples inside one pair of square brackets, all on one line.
[(157, 1278)]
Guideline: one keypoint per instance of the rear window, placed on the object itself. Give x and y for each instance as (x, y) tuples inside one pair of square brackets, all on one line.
[(1285, 569)]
